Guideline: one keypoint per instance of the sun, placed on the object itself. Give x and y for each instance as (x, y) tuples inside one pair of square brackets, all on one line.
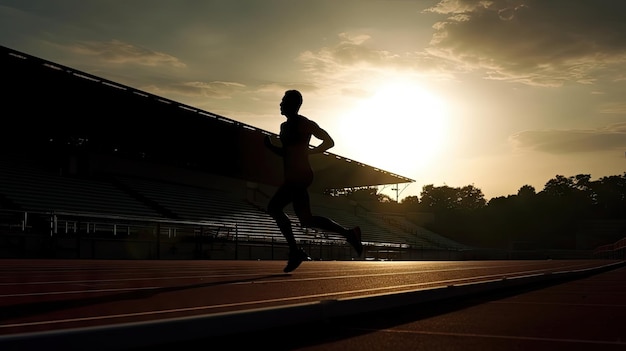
[(401, 127)]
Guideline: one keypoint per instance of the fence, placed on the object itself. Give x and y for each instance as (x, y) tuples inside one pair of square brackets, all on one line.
[(60, 234), (617, 250)]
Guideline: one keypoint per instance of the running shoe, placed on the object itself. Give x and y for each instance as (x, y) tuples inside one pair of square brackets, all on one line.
[(295, 258)]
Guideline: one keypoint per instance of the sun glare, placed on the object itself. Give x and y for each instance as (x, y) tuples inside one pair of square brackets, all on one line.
[(400, 128)]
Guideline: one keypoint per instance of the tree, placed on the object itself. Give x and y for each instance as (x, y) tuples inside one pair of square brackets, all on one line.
[(447, 198), (559, 186), (470, 198), (384, 198), (526, 191), (439, 198), (410, 200), (611, 197)]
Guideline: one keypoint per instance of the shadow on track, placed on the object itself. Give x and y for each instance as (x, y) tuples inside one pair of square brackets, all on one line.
[(317, 335), (35, 308)]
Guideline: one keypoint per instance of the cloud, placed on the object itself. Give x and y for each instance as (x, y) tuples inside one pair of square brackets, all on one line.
[(280, 88), (350, 62), (613, 137), (214, 90), (349, 52), (118, 52), (618, 108), (458, 6), (534, 42)]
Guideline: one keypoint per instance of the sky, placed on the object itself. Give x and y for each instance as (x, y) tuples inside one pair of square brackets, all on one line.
[(494, 94)]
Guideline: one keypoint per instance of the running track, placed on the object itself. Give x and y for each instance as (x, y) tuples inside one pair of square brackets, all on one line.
[(102, 304)]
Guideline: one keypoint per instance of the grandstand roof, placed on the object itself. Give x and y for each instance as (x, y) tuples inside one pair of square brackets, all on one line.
[(52, 108)]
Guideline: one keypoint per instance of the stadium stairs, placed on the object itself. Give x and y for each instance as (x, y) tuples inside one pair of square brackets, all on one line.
[(124, 204)]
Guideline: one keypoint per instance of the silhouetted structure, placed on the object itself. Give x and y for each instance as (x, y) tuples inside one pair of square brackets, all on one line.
[(74, 119), (81, 153)]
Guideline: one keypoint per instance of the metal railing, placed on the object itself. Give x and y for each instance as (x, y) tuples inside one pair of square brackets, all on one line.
[(615, 250)]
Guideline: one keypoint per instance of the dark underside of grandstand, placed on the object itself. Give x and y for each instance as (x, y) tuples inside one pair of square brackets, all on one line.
[(94, 169)]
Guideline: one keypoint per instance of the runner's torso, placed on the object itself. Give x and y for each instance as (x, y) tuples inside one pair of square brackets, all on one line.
[(295, 135)]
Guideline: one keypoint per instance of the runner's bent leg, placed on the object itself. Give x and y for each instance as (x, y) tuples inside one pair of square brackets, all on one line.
[(302, 207), (282, 198)]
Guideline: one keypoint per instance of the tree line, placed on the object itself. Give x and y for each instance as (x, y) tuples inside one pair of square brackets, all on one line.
[(572, 212)]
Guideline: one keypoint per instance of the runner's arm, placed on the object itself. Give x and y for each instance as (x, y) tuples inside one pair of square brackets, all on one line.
[(321, 134)]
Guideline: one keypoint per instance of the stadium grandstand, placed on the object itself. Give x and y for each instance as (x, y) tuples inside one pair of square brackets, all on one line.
[(95, 169)]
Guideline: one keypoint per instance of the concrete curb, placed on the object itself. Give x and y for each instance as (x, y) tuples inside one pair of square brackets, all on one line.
[(143, 334)]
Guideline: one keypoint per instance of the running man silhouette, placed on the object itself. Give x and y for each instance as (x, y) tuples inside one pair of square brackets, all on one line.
[(295, 136)]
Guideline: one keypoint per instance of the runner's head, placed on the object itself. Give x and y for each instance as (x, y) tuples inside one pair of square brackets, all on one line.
[(291, 102)]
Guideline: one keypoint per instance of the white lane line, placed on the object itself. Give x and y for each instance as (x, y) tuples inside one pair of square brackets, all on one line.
[(124, 279), (492, 336), (442, 283), (498, 275), (78, 291), (200, 308), (176, 310), (403, 286), (273, 281), (273, 273)]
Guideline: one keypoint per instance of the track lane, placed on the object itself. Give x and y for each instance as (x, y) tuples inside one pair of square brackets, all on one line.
[(56, 296)]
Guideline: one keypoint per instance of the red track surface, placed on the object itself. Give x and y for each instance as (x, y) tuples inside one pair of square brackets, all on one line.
[(58, 295)]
